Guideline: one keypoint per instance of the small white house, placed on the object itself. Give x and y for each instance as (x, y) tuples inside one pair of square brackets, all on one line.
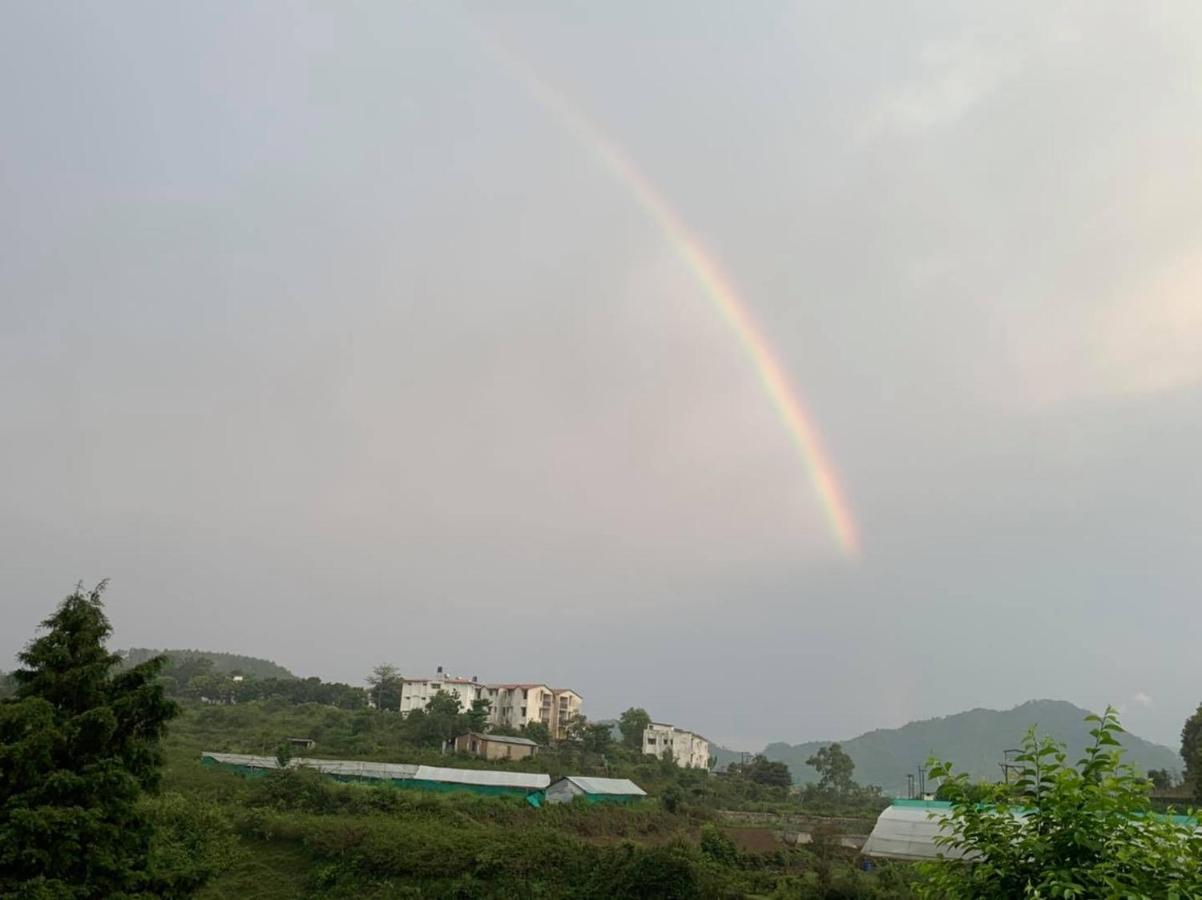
[(594, 790)]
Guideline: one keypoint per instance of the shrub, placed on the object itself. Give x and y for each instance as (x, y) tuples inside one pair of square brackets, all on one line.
[(1083, 831)]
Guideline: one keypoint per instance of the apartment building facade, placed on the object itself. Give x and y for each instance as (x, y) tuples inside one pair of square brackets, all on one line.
[(416, 693), (511, 705), (688, 750)]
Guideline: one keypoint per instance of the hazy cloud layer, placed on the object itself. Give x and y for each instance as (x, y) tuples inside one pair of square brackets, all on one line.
[(327, 342)]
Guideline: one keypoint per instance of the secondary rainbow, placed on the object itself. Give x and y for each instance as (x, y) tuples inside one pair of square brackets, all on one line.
[(717, 287)]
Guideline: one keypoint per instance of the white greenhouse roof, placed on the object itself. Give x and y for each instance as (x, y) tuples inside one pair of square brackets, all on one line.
[(506, 739), (909, 831), (391, 771), (243, 759), (614, 786), (490, 777), (359, 768)]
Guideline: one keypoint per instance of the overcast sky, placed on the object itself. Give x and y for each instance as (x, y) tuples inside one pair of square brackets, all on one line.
[(328, 340)]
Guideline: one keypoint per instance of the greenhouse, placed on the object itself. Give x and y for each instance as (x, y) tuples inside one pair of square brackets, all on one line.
[(414, 777)]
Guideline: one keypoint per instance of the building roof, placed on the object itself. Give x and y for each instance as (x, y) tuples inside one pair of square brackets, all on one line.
[(503, 739), (386, 771), (361, 769), (440, 679), (354, 768), (243, 759), (519, 686), (491, 777), (614, 786), (680, 730)]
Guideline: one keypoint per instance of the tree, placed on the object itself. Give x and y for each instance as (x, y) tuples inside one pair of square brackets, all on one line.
[(385, 683), (632, 724), (477, 716), (78, 746), (592, 737), (763, 770), (439, 722), (537, 732), (1191, 752), (834, 769), (597, 737), (1085, 831), (1161, 779)]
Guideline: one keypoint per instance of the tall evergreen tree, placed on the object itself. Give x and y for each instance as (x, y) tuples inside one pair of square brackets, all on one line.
[(78, 744)]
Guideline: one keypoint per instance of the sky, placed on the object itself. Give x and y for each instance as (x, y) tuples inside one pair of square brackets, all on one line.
[(333, 334)]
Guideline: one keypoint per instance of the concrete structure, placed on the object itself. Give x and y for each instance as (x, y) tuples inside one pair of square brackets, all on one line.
[(416, 693), (512, 705), (594, 790), (495, 746), (516, 705), (689, 750)]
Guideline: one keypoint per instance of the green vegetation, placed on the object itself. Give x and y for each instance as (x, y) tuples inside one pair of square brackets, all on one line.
[(219, 663), (384, 683), (199, 678), (762, 770), (335, 840), (1086, 831), (99, 798), (972, 740), (79, 744), (1191, 752), (631, 725)]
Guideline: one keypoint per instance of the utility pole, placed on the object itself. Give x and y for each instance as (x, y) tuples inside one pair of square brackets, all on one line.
[(1008, 763), (909, 785)]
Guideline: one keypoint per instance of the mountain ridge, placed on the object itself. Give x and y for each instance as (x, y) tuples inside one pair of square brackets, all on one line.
[(973, 740)]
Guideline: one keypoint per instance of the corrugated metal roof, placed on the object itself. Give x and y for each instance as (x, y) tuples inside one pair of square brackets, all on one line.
[(243, 759), (359, 768), (493, 777), (622, 786), (386, 771), (504, 739)]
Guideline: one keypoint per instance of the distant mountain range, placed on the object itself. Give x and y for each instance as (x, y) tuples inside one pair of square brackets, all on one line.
[(973, 741), (223, 663)]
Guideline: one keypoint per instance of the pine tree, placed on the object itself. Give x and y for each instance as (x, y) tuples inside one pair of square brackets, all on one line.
[(78, 745)]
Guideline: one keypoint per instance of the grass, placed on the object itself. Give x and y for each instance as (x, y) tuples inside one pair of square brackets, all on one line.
[(266, 870)]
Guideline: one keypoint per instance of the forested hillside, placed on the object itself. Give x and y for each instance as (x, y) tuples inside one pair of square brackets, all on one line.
[(223, 663), (973, 741)]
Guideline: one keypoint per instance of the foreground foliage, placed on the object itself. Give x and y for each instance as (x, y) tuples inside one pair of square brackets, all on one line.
[(1081, 831), (79, 744)]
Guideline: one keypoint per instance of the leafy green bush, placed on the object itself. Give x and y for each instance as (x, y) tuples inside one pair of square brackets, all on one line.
[(1083, 831), (193, 841)]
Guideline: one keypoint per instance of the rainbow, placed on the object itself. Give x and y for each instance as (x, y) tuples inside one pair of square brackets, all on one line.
[(715, 284)]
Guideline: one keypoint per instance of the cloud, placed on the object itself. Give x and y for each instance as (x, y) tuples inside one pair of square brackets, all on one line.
[(1145, 338), (1150, 338), (954, 77)]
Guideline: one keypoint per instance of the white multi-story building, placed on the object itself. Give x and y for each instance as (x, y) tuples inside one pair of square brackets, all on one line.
[(417, 692), (511, 705), (687, 749), (516, 705)]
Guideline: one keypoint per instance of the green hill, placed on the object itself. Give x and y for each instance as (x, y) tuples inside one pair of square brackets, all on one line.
[(974, 741), (223, 663)]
